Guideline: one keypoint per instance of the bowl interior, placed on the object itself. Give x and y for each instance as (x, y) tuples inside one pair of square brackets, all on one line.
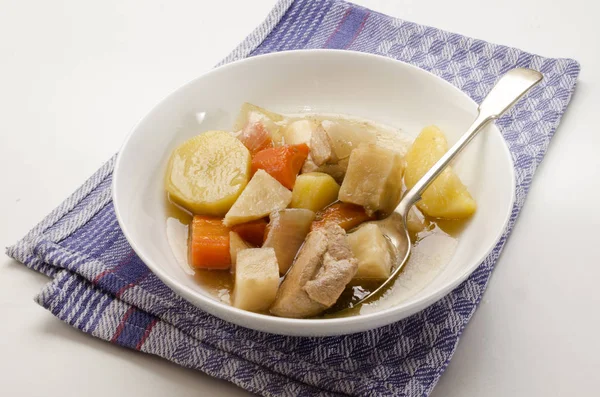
[(363, 85)]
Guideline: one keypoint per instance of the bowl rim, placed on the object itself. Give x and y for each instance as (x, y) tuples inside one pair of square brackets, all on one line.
[(316, 326)]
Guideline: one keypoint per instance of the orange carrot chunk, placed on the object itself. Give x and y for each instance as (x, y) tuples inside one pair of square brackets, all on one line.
[(256, 137), (346, 215), (282, 163), (252, 232), (208, 246)]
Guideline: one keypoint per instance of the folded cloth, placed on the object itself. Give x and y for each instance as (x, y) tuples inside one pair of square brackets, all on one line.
[(101, 287)]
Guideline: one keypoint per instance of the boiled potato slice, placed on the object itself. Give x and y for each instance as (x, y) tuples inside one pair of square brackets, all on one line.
[(370, 248), (236, 244), (299, 131), (250, 113), (207, 173), (314, 191), (286, 233), (373, 179), (256, 279), (447, 197), (263, 195)]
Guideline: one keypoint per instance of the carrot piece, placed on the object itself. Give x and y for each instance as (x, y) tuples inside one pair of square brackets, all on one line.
[(252, 232), (282, 163), (208, 246), (346, 215), (256, 137)]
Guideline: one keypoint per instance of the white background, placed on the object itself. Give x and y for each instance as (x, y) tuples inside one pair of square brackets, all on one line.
[(76, 75)]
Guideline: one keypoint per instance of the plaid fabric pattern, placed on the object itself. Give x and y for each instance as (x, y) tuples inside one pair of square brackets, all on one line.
[(101, 287)]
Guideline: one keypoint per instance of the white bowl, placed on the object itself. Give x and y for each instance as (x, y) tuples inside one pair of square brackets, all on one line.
[(328, 81)]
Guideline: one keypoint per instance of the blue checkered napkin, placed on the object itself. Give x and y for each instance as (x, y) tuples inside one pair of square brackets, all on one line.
[(101, 287)]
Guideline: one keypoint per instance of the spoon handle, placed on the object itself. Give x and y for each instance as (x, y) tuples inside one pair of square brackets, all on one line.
[(507, 91)]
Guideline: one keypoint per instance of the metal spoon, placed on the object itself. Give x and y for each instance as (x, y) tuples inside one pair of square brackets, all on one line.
[(507, 91)]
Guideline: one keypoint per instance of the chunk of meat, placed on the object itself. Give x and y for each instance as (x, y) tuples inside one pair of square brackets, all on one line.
[(338, 268), (291, 299), (336, 170), (320, 147), (323, 268), (322, 157), (250, 114), (255, 137)]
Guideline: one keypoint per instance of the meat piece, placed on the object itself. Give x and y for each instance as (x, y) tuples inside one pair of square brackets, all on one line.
[(336, 170), (322, 269), (322, 157), (291, 299), (255, 137), (320, 147), (339, 266)]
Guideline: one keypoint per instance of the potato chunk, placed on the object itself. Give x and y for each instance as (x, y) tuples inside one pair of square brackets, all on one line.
[(370, 248), (314, 191), (256, 279), (286, 233), (373, 179), (447, 197), (262, 196), (207, 173)]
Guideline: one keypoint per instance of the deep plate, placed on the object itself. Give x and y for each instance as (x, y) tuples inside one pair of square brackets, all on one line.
[(324, 81)]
